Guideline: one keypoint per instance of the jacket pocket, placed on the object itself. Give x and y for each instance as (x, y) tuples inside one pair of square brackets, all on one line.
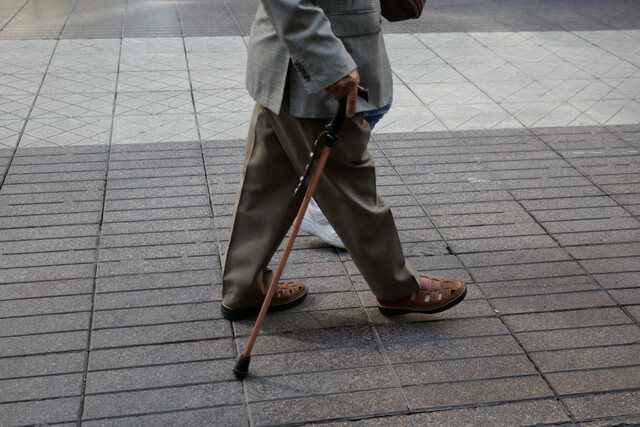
[(355, 24)]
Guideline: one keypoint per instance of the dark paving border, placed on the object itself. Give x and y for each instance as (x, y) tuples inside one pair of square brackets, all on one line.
[(134, 18), (110, 270)]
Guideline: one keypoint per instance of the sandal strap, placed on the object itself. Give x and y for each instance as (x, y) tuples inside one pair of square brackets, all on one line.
[(434, 289), (288, 289)]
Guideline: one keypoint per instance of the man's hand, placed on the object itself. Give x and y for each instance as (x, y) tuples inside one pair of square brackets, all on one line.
[(348, 86)]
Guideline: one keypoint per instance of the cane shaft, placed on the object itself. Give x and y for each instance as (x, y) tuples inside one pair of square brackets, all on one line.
[(287, 249)]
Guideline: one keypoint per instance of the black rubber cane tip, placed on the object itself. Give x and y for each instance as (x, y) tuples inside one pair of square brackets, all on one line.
[(241, 369)]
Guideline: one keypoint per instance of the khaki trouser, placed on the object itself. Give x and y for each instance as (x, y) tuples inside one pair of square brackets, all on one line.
[(278, 149)]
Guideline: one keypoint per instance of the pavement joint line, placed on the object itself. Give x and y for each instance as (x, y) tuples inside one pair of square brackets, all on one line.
[(133, 233), (147, 325), (89, 341), (174, 411), (589, 347), (66, 396), (315, 395), (47, 214), (573, 328), (158, 365), (596, 369), (70, 331), (40, 375), (47, 226)]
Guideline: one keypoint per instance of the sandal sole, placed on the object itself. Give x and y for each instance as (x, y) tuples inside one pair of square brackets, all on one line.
[(244, 313), (397, 311)]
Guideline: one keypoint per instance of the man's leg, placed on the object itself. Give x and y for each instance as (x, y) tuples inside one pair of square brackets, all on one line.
[(347, 195), (263, 213)]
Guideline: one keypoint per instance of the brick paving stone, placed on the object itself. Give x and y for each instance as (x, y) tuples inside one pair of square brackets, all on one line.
[(520, 413), (612, 265), (158, 334), (620, 235), (42, 365), (34, 199), (587, 358), (163, 280), (524, 271), (581, 337), (552, 301), (158, 172), (41, 411), (16, 326), (604, 405), (568, 203), (437, 350), (156, 315), (144, 227), (155, 297), (618, 280), (307, 317), (444, 371), (501, 242), (158, 251), (66, 188), (54, 386), (591, 225), (152, 186), (140, 240), (54, 220), (175, 374), (45, 289), (44, 343), (440, 330), (538, 286), (381, 421), (165, 202), (423, 397), (231, 416), (623, 421), (55, 232), (53, 208), (157, 214), (145, 266), (334, 406), (61, 178), (311, 339), (161, 354), (53, 272), (141, 161), (321, 360), (50, 305), (556, 217), (41, 259), (566, 319), (594, 381), (318, 383), (164, 399)]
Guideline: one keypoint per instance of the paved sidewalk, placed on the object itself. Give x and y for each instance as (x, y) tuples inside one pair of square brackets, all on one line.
[(511, 159)]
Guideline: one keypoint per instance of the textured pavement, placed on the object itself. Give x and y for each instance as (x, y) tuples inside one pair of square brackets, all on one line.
[(511, 159)]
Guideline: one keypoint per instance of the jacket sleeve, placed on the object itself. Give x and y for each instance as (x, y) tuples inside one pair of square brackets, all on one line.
[(319, 57)]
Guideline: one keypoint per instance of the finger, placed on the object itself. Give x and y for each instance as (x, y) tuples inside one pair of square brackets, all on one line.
[(352, 97)]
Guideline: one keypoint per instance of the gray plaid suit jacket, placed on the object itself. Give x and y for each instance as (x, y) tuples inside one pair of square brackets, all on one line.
[(313, 44)]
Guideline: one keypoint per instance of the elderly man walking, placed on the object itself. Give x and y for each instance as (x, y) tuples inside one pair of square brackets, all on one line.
[(303, 55)]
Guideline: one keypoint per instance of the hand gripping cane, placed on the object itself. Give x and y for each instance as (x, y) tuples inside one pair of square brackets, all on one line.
[(331, 134)]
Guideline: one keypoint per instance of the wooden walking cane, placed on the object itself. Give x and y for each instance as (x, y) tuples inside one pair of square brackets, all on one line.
[(331, 134)]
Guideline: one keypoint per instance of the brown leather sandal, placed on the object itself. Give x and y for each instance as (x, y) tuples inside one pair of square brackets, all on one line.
[(435, 295), (288, 294)]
